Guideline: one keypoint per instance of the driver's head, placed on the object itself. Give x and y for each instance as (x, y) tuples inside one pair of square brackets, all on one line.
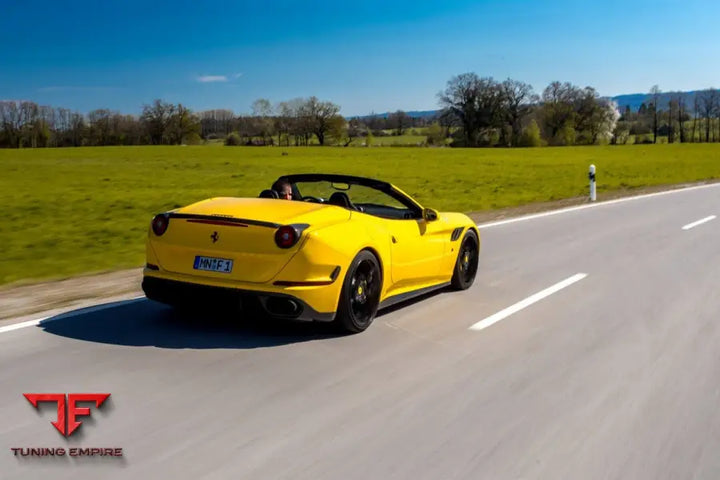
[(283, 188)]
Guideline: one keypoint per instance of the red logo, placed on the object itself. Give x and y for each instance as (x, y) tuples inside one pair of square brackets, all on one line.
[(73, 411)]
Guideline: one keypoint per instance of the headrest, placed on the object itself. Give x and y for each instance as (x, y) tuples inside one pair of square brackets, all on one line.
[(269, 194), (340, 199)]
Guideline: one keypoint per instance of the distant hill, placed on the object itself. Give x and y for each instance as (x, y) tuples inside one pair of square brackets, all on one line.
[(411, 113), (633, 100)]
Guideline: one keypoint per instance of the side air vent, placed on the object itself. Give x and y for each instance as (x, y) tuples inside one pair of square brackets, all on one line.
[(456, 234)]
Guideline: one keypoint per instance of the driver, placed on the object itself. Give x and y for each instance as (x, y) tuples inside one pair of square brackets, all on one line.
[(283, 189)]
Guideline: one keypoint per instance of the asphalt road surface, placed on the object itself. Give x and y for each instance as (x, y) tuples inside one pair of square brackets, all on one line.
[(588, 347)]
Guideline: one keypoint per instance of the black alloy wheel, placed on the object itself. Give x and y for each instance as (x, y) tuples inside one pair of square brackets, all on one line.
[(467, 262), (360, 294)]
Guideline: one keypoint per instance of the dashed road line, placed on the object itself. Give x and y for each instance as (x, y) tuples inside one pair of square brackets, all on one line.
[(492, 319), (699, 222)]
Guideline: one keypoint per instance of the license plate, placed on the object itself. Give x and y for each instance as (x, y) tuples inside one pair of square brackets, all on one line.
[(211, 264)]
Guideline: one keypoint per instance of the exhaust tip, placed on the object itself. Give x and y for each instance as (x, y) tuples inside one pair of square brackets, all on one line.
[(283, 307)]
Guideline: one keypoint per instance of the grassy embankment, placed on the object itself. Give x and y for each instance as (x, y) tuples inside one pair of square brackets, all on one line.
[(72, 211)]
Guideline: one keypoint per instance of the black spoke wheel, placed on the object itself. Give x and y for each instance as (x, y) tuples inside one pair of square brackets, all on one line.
[(360, 294), (467, 262)]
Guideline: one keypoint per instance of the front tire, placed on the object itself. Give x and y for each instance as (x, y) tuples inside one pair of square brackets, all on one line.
[(466, 264), (360, 294)]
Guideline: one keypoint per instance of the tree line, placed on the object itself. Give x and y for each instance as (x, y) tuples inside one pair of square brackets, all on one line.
[(680, 118), (474, 112), (24, 124)]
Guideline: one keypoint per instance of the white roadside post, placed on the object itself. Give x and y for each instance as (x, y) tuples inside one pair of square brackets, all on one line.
[(591, 176)]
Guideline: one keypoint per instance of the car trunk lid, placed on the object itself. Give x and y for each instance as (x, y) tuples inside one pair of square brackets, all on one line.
[(238, 230)]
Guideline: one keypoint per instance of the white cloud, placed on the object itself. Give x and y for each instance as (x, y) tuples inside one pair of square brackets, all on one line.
[(213, 78), (237, 75)]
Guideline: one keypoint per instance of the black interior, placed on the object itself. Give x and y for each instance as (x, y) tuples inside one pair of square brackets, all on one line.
[(341, 199)]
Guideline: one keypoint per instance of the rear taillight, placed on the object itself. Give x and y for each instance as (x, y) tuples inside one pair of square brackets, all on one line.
[(160, 224), (286, 236)]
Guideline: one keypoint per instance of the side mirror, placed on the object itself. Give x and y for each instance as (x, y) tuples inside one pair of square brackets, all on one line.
[(429, 214)]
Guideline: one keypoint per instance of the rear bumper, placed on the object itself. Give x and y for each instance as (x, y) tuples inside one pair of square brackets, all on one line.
[(280, 305)]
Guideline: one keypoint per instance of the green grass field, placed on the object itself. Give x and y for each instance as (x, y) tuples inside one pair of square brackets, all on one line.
[(72, 211)]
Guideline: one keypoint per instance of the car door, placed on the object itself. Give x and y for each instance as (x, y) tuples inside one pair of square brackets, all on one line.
[(417, 249)]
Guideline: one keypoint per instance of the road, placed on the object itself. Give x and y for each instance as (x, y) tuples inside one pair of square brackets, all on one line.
[(615, 375)]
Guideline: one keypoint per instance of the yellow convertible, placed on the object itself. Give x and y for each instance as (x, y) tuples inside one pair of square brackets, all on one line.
[(340, 249)]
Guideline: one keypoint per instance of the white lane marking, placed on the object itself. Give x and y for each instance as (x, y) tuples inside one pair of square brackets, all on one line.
[(60, 316), (527, 302), (699, 222), (591, 205), (15, 326)]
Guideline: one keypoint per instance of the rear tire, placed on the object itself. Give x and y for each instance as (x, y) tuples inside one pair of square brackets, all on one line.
[(466, 264), (360, 294)]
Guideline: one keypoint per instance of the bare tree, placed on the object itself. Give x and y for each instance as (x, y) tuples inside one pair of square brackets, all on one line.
[(77, 126), (12, 122), (263, 111), (679, 101), (216, 122), (518, 98), (672, 107), (709, 102), (696, 113), (655, 92)]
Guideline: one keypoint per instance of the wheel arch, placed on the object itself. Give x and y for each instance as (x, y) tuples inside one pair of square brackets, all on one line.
[(377, 256), (476, 231)]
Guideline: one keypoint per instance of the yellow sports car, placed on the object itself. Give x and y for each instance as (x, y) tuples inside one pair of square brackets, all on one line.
[(335, 248)]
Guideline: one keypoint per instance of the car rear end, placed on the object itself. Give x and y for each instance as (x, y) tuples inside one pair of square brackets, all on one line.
[(228, 253)]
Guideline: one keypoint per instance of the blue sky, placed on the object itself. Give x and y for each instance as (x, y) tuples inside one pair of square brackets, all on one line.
[(363, 55)]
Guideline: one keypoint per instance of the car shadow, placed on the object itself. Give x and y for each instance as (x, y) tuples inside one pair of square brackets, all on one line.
[(143, 323)]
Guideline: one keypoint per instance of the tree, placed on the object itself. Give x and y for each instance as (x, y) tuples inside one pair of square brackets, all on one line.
[(155, 118), (604, 120), (558, 111), (182, 127), (709, 102), (621, 133), (398, 121), (435, 135), (518, 98), (681, 115), (355, 129), (319, 114), (475, 102), (696, 113), (530, 137), (338, 130), (215, 123), (99, 126), (655, 92), (12, 121), (262, 110), (590, 115), (672, 108)]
